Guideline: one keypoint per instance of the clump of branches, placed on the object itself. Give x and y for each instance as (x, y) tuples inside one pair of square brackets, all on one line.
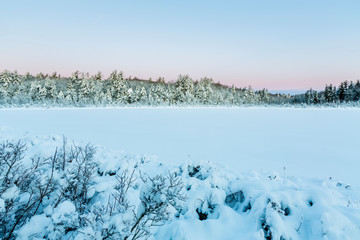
[(117, 205), (39, 185), (77, 168), (160, 197), (23, 188), (24, 185)]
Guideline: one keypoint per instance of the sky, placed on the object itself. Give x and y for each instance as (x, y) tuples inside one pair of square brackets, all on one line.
[(278, 45)]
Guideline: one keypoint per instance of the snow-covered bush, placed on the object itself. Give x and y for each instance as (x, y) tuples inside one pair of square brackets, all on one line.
[(60, 191), (161, 198), (23, 187), (54, 190), (45, 183)]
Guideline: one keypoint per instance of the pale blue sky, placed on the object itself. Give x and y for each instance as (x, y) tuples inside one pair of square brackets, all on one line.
[(271, 44)]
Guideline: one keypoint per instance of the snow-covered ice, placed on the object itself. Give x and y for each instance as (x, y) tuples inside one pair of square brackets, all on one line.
[(310, 142)]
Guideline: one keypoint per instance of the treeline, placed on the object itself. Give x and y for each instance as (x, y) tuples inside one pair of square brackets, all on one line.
[(83, 89), (347, 92)]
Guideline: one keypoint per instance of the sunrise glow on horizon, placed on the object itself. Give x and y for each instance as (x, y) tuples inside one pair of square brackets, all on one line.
[(266, 44)]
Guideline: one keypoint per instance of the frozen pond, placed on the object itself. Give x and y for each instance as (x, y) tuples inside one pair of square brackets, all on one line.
[(318, 143)]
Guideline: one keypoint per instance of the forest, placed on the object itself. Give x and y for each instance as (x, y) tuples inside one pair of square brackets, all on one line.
[(83, 89)]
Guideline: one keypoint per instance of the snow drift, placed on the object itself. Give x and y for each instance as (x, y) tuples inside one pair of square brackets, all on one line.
[(83, 192)]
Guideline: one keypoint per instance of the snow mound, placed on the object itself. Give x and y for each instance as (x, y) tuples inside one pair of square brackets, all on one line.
[(109, 194), (36, 228), (64, 214)]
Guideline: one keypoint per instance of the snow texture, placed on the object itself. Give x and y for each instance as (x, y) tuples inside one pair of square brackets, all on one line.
[(220, 203)]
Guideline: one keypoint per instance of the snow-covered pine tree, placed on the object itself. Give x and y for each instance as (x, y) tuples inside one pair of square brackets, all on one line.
[(98, 76), (350, 93), (75, 75), (70, 93), (118, 87), (312, 97), (249, 95), (264, 96), (203, 90), (28, 76), (60, 98), (357, 91), (329, 94), (3, 88), (108, 97), (230, 97), (153, 96), (54, 75), (16, 78), (161, 80), (130, 96), (86, 91), (342, 91), (38, 91), (6, 79), (41, 76), (184, 89), (142, 95), (50, 88)]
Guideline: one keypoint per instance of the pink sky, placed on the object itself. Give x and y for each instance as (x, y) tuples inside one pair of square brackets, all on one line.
[(278, 45)]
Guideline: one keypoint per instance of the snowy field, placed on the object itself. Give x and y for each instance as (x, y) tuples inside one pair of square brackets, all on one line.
[(315, 143), (243, 194)]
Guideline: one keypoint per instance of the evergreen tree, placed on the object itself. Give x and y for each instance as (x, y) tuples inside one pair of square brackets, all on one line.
[(54, 75), (70, 94), (161, 80), (329, 94), (264, 96), (108, 97), (41, 76), (142, 95), (16, 78), (184, 89), (60, 97), (98, 76), (118, 87), (249, 95), (204, 90), (312, 97), (342, 90), (86, 93), (28, 76), (50, 88), (6, 79), (357, 91), (38, 91), (350, 93)]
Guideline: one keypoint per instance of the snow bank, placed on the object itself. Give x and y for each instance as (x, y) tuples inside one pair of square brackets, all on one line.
[(196, 200)]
